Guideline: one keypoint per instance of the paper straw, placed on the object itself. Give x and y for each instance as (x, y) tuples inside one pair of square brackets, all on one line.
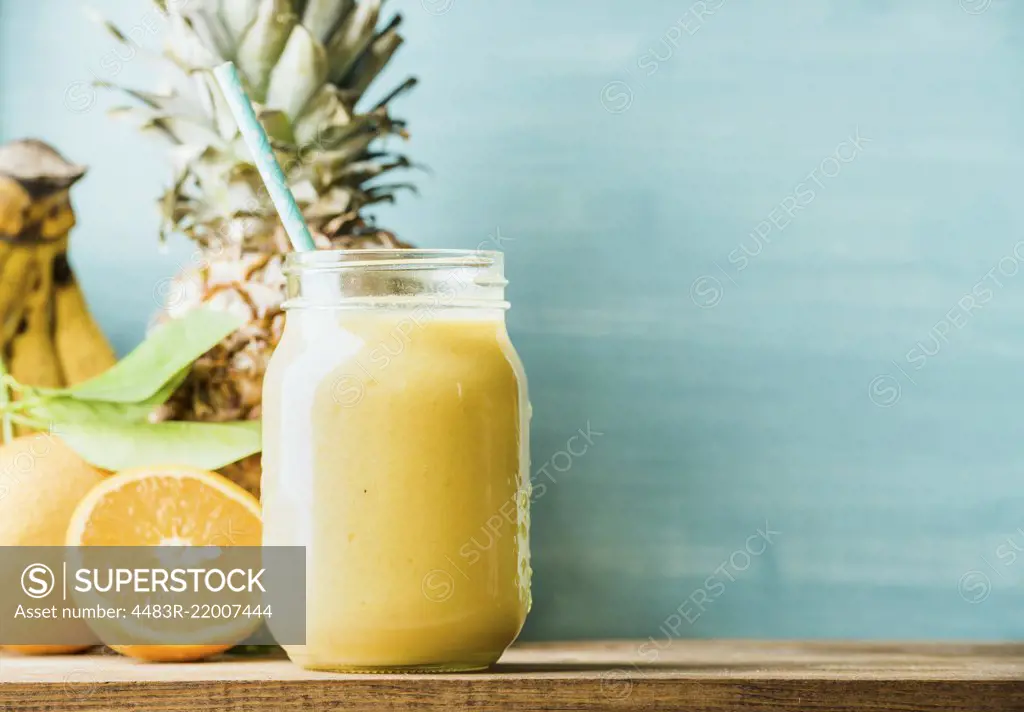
[(263, 155)]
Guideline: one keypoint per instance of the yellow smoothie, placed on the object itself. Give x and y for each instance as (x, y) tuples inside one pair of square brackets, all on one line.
[(396, 451)]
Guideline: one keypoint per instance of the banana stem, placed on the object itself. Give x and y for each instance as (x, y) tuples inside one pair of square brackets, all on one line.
[(22, 403), (27, 422), (11, 411)]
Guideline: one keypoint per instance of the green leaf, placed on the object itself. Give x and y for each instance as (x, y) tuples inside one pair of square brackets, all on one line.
[(66, 410), (208, 446), (165, 353)]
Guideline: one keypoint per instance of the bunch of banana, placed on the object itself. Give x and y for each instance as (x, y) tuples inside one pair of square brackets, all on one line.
[(47, 334)]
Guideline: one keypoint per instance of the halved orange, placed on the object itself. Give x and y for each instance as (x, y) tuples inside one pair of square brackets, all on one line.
[(169, 506), (166, 506)]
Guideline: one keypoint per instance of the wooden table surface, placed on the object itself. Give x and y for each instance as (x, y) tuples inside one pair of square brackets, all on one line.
[(619, 675)]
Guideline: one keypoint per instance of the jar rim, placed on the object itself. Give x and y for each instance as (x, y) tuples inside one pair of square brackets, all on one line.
[(390, 259)]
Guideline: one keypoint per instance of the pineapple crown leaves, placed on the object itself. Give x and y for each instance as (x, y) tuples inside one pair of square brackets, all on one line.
[(307, 65)]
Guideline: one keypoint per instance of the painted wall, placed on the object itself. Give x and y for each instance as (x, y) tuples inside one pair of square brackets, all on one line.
[(770, 253)]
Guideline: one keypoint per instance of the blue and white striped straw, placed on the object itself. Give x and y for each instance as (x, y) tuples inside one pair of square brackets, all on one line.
[(263, 156)]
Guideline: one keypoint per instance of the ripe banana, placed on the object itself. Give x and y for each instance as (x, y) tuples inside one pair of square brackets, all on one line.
[(33, 354), (15, 274), (47, 336), (82, 349)]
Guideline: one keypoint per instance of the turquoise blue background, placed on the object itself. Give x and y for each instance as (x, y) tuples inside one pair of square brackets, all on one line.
[(628, 166)]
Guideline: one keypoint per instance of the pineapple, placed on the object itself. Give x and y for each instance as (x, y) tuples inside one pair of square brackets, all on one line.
[(307, 65)]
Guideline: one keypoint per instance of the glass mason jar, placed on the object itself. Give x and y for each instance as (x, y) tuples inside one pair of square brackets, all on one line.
[(396, 450)]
